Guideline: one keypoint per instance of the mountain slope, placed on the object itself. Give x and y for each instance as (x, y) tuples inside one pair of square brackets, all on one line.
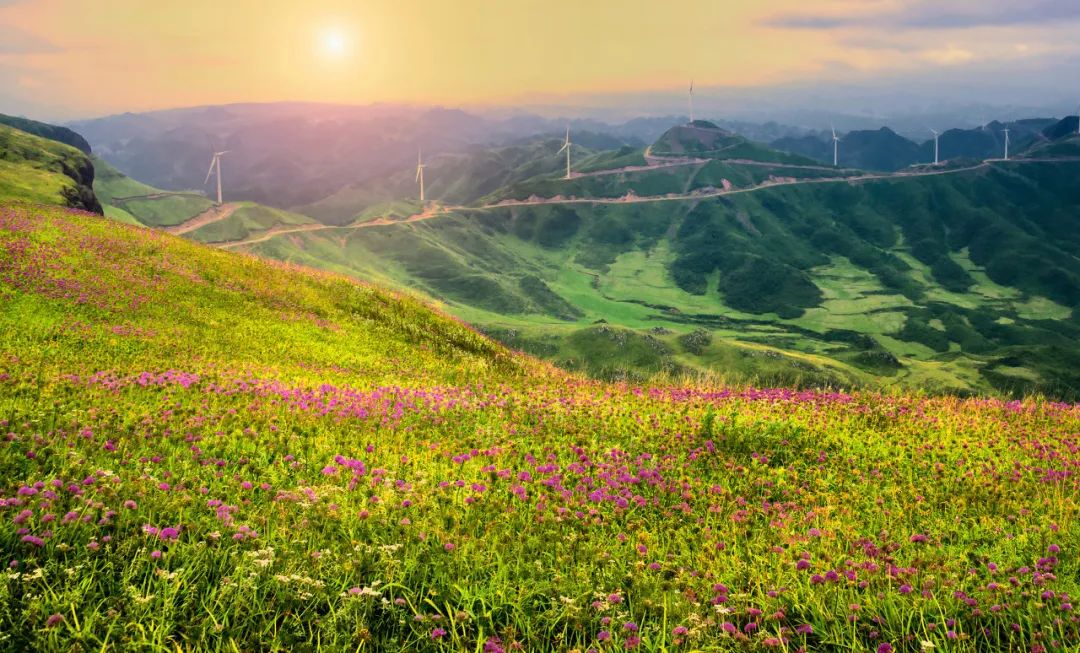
[(188, 213), (41, 170), (705, 139), (174, 302), (880, 149), (45, 130), (452, 178), (883, 149)]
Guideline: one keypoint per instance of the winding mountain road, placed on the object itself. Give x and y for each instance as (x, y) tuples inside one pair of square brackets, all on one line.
[(215, 213), (433, 211)]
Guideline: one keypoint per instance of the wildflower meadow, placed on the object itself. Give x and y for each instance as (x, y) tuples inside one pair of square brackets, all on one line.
[(205, 451)]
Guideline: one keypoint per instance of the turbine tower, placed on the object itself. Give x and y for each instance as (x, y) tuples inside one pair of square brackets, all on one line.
[(420, 171), (1078, 120), (566, 146), (1006, 143), (936, 134), (215, 162), (690, 98), (835, 148)]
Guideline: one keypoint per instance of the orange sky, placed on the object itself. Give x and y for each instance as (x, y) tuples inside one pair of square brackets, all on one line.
[(83, 57)]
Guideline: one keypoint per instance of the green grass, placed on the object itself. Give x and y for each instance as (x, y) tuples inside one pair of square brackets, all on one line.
[(110, 183), (206, 451), (128, 197), (42, 171), (248, 220), (167, 211)]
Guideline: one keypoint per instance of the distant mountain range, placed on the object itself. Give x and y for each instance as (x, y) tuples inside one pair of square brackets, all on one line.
[(885, 150)]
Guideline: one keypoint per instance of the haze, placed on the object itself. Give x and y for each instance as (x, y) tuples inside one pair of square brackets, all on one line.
[(75, 58)]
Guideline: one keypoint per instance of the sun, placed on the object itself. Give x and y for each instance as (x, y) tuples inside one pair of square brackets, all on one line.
[(333, 43)]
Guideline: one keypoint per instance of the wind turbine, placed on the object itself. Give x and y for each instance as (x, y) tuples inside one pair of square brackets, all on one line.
[(215, 162), (1078, 120), (835, 148), (691, 100), (566, 146), (420, 171), (936, 134), (1006, 143)]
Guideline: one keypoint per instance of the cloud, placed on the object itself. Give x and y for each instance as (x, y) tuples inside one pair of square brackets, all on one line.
[(16, 41), (949, 56), (958, 14)]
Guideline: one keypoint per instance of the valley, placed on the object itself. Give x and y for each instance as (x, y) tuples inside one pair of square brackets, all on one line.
[(572, 263)]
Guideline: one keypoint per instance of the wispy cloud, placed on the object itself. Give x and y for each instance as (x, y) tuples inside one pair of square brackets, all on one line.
[(938, 14), (17, 41)]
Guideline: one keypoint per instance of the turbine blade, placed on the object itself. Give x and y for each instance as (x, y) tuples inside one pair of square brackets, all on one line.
[(418, 169), (565, 145), (209, 172)]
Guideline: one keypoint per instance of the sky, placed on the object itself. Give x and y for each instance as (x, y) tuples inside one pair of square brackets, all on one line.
[(83, 58)]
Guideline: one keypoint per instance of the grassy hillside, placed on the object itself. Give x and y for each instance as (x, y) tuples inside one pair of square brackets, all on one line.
[(453, 178), (135, 202), (703, 138), (45, 130), (247, 221), (205, 451), (40, 170)]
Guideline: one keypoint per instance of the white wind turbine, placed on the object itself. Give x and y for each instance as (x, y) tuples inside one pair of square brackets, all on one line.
[(566, 146), (690, 98), (1078, 120), (420, 171), (936, 134), (835, 148), (1006, 143), (215, 162)]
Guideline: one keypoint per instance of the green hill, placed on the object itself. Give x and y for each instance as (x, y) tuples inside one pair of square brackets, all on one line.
[(205, 451), (45, 130), (137, 203), (133, 202), (703, 138), (455, 178), (44, 171)]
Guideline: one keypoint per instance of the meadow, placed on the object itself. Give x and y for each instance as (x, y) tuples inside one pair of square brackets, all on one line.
[(206, 451)]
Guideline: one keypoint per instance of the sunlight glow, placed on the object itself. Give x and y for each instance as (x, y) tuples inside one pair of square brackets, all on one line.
[(334, 44)]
